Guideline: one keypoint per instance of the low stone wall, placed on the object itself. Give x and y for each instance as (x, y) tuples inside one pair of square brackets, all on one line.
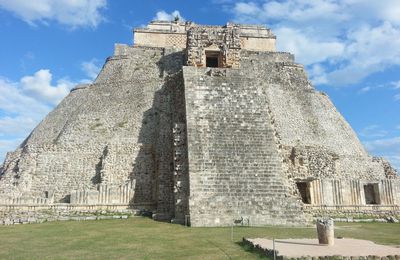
[(355, 213), (106, 194), (45, 218), (366, 220), (25, 201), (352, 209), (27, 214)]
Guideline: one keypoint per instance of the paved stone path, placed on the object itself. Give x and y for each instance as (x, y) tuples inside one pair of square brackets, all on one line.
[(310, 247)]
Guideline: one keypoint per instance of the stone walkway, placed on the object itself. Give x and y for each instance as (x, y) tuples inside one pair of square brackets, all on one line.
[(310, 247)]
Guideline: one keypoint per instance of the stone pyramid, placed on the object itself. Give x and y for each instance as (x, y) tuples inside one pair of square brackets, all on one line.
[(203, 125)]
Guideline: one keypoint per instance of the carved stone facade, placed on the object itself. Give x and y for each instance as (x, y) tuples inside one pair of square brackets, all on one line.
[(223, 44), (199, 124), (175, 35)]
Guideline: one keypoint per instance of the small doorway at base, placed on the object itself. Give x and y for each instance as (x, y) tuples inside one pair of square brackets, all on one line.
[(371, 192), (213, 59), (304, 190)]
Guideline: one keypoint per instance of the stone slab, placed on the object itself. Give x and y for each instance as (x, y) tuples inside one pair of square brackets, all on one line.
[(310, 247)]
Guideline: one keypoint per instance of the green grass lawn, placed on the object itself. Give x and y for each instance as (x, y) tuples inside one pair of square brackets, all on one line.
[(143, 238)]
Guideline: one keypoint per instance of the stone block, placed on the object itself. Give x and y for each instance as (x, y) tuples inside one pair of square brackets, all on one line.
[(325, 230)]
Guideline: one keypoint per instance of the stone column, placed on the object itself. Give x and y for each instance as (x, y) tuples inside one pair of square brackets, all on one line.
[(325, 229)]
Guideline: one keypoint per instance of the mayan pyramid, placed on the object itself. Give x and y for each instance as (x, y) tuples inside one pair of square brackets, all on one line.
[(203, 124)]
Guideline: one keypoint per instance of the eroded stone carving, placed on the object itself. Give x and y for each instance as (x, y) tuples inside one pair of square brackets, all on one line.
[(223, 42)]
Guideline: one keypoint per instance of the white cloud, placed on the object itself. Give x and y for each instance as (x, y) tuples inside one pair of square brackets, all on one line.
[(91, 68), (14, 101), (388, 148), (7, 146), (373, 131), (365, 89), (394, 161), (368, 50), (396, 84), (308, 50), (293, 10), (247, 9), (382, 10), (382, 145), (17, 125), (164, 16), (317, 73), (74, 13), (392, 86), (24, 104), (350, 39), (290, 12), (39, 86)]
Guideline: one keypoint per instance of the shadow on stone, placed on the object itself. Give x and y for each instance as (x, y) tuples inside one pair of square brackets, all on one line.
[(153, 167)]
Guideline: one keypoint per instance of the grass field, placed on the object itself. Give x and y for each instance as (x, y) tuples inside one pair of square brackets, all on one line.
[(143, 238)]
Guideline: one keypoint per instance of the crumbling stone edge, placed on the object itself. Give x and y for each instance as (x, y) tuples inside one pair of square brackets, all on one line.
[(258, 249), (56, 215), (270, 253), (64, 218)]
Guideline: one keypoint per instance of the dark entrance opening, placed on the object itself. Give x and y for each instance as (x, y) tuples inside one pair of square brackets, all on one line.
[(212, 59), (304, 190), (212, 62), (371, 192)]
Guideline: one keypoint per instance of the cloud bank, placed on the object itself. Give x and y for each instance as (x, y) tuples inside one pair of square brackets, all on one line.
[(23, 104), (387, 147), (73, 13), (342, 42), (91, 68), (164, 16)]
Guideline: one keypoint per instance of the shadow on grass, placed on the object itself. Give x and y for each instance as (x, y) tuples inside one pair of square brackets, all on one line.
[(146, 214), (255, 251)]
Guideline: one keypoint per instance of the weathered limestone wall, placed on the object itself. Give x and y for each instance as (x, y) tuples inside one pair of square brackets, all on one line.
[(217, 144), (158, 39), (235, 169), (174, 34), (105, 194), (181, 171), (316, 140), (257, 44), (116, 130), (37, 213), (331, 192)]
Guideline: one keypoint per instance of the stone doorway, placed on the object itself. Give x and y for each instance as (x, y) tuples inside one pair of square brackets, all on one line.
[(213, 59), (304, 190), (371, 192)]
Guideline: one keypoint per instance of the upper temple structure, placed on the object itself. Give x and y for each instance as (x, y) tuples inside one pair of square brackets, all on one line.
[(197, 124)]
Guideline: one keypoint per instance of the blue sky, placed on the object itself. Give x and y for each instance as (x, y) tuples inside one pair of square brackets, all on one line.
[(351, 49)]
